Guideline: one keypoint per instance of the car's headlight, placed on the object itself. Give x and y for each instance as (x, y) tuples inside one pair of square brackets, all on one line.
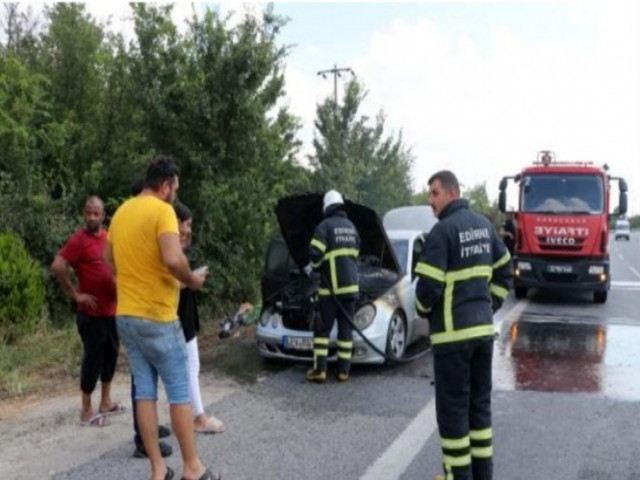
[(524, 266), (265, 317), (364, 316), (596, 270)]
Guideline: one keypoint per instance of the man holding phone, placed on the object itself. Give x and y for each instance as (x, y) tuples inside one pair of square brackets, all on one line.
[(144, 251)]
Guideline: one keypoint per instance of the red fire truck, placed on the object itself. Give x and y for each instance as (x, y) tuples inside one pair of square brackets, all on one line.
[(562, 225)]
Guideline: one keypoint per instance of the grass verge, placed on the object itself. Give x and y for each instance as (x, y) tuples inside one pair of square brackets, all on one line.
[(38, 362)]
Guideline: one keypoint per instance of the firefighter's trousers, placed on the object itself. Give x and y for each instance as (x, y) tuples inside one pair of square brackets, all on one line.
[(329, 311), (463, 408)]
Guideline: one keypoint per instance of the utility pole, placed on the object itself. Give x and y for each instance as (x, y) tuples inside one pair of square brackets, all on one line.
[(336, 72)]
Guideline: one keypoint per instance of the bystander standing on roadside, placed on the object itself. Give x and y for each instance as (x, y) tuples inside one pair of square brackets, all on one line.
[(95, 296), (190, 320), (144, 251)]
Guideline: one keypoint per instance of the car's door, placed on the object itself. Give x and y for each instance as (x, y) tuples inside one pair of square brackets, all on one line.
[(414, 251)]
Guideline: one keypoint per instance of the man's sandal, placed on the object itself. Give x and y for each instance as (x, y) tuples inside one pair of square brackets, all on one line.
[(208, 475), (98, 420), (115, 409)]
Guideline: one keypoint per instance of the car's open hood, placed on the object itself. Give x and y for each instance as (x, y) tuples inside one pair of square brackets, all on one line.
[(298, 216)]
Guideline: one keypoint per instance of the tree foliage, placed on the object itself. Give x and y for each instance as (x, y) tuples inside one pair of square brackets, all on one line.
[(479, 201), (21, 288), (82, 110), (357, 157)]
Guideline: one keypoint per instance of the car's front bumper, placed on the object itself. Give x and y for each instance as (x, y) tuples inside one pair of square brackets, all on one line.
[(271, 344)]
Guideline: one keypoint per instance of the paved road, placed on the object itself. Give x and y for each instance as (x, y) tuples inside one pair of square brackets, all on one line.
[(566, 404)]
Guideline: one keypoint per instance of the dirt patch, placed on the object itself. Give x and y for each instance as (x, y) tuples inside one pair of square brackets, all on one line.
[(46, 425)]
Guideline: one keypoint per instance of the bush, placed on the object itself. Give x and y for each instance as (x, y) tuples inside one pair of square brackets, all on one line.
[(21, 289)]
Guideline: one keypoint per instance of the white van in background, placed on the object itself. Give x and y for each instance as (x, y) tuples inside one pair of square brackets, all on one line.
[(622, 229)]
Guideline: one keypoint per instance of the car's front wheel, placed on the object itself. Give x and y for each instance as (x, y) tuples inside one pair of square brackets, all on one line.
[(397, 336)]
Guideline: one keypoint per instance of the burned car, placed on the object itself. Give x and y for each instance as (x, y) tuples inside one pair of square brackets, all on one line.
[(385, 311)]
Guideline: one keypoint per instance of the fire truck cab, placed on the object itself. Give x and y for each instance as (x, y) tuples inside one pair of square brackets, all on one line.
[(562, 225)]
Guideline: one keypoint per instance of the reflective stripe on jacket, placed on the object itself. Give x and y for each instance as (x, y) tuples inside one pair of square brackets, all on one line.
[(464, 275), (334, 251)]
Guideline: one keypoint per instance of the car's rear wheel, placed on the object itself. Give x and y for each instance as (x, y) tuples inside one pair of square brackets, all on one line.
[(397, 336)]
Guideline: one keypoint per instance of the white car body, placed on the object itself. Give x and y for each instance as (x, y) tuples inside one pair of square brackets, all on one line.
[(623, 230)]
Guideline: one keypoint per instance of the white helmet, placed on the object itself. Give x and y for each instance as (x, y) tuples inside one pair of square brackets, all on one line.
[(331, 198)]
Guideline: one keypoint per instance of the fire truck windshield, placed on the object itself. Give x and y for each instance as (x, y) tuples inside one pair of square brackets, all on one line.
[(562, 193)]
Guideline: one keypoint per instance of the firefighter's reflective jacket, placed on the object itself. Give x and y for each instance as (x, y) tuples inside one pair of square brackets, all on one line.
[(464, 275), (333, 251)]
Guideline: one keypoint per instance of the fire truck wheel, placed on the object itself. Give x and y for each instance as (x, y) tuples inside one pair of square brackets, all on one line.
[(521, 292), (600, 296)]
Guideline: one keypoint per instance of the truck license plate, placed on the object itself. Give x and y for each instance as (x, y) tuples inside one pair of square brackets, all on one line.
[(560, 268), (298, 343)]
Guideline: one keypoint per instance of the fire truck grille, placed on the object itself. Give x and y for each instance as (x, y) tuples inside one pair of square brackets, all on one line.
[(560, 248), (560, 277)]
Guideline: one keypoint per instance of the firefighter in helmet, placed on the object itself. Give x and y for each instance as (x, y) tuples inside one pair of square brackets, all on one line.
[(333, 252)]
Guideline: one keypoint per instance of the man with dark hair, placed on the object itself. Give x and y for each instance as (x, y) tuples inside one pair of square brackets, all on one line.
[(165, 449), (96, 300), (136, 187), (145, 252), (464, 275), (159, 172)]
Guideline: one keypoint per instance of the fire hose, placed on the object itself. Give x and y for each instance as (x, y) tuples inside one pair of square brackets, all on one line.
[(390, 359)]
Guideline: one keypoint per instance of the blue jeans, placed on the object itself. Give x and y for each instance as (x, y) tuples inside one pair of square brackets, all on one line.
[(156, 349)]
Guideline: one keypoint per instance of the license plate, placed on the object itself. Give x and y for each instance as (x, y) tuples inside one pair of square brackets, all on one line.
[(560, 268), (298, 343)]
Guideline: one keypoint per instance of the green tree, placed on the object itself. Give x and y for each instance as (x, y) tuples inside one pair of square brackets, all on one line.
[(421, 198), (210, 99), (357, 157), (21, 289)]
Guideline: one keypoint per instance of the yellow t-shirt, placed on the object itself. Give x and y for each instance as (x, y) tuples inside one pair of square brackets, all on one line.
[(145, 287)]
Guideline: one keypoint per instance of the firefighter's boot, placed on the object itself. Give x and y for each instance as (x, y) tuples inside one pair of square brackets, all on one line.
[(318, 373), (316, 376), (345, 351)]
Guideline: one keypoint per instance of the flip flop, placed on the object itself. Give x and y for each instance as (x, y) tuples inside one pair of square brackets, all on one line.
[(98, 420), (213, 426), (116, 409), (169, 474), (208, 475)]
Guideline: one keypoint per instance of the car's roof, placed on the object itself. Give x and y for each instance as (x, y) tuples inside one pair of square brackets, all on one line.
[(414, 217), (403, 234)]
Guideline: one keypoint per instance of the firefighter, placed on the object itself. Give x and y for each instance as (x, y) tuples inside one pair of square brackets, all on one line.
[(464, 275), (333, 252)]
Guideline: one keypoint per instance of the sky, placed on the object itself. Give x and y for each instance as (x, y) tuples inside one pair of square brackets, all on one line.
[(475, 87)]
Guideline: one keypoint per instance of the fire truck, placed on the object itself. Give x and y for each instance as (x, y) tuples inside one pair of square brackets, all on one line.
[(562, 225)]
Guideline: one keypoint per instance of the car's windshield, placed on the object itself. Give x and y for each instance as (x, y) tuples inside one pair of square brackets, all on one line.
[(563, 193), (401, 249), (622, 227)]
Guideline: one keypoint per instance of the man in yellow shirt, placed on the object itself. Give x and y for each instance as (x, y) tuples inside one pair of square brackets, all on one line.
[(144, 251)]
